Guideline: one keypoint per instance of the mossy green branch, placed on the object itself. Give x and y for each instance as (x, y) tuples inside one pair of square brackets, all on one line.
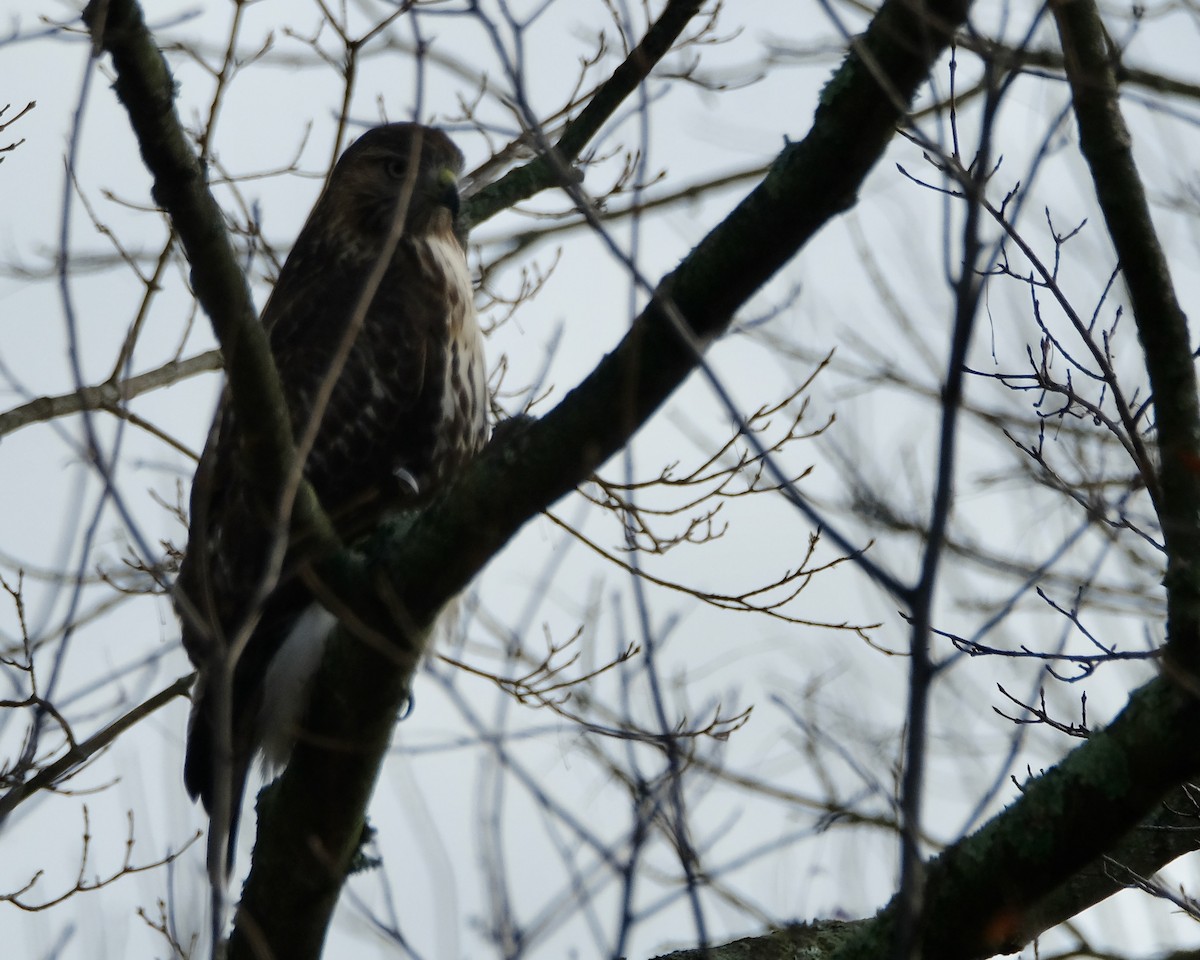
[(996, 890), (1166, 834), (396, 584)]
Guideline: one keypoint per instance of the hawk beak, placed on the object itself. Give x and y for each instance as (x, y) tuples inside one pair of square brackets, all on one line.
[(447, 190)]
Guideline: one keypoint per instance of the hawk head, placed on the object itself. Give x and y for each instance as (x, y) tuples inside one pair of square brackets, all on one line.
[(388, 166)]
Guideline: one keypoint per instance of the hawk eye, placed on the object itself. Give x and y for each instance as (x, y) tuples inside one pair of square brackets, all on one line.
[(396, 168)]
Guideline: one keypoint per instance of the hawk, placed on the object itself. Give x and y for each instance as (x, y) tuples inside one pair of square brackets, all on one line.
[(407, 407)]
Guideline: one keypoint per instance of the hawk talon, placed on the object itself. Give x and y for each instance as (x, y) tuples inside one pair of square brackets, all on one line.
[(407, 480)]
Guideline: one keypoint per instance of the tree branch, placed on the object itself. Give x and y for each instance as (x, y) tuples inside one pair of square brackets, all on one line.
[(990, 891), (540, 173), (67, 764), (106, 394), (146, 88), (399, 581), (1170, 832), (1162, 327)]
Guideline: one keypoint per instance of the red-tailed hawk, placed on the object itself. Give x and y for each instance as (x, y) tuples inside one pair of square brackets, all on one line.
[(407, 407)]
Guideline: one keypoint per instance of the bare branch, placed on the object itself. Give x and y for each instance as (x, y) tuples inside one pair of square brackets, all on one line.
[(110, 395)]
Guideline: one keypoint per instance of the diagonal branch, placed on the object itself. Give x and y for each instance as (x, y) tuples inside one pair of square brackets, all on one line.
[(992, 891), (312, 819), (108, 394), (540, 173), (1170, 832), (68, 763), (146, 88)]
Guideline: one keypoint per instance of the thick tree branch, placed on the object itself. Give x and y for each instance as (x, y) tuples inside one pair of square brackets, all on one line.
[(1039, 861), (1090, 58), (986, 893), (400, 580), (1167, 834), (989, 892), (1172, 831), (146, 88)]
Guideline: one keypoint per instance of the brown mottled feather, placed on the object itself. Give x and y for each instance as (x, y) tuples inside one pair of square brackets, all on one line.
[(408, 407)]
